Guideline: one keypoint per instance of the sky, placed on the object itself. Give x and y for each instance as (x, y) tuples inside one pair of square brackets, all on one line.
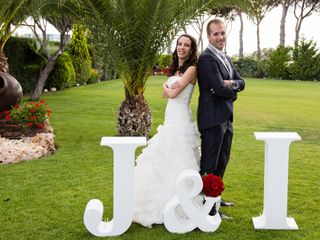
[(269, 32)]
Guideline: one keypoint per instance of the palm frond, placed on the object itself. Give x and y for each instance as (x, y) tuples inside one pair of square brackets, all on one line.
[(134, 31), (8, 12)]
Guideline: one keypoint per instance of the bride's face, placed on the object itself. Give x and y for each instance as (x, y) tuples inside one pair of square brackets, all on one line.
[(183, 48)]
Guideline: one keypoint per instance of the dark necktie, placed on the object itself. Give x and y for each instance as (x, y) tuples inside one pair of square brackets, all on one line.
[(227, 63)]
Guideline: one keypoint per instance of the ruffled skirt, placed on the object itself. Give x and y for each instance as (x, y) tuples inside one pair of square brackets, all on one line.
[(173, 149)]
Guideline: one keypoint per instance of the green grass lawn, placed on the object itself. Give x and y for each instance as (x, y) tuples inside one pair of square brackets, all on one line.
[(46, 198)]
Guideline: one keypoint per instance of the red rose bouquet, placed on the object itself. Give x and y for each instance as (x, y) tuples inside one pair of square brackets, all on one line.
[(212, 185)]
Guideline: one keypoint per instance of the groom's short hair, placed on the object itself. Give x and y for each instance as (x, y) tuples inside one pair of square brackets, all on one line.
[(213, 21)]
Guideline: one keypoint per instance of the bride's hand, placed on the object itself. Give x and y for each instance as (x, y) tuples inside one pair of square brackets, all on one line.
[(165, 88), (175, 85)]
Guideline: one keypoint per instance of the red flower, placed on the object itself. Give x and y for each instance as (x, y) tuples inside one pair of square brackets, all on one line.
[(29, 124), (212, 185), (16, 106), (6, 112), (33, 117), (42, 102), (32, 110), (8, 117), (39, 125), (49, 112)]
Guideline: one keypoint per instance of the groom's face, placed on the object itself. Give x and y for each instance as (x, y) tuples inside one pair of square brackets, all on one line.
[(217, 36)]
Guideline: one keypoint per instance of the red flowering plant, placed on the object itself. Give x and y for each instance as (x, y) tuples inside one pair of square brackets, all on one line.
[(212, 185), (31, 115)]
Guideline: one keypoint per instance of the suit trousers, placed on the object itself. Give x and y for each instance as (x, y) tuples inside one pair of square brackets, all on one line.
[(215, 148)]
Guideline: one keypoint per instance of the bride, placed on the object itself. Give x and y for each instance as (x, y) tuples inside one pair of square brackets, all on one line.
[(175, 146)]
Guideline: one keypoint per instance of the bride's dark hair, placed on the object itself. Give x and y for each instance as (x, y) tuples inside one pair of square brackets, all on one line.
[(191, 61)]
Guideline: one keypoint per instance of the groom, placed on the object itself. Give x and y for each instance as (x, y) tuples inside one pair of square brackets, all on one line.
[(219, 83)]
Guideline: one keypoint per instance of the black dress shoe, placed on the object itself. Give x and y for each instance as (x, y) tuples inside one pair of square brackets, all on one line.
[(224, 216), (226, 204), (213, 211)]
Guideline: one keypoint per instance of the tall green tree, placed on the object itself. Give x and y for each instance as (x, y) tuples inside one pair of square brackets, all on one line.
[(306, 61), (280, 59), (80, 53), (132, 33)]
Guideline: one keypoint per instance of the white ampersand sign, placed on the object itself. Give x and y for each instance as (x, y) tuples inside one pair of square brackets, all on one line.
[(188, 186)]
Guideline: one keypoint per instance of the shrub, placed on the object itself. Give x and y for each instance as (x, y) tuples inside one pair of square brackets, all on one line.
[(306, 61), (63, 74), (28, 77), (109, 72), (24, 63), (262, 68), (101, 60), (94, 76), (247, 66), (279, 62), (80, 54)]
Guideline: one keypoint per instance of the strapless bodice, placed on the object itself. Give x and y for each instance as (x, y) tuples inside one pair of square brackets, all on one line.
[(178, 108)]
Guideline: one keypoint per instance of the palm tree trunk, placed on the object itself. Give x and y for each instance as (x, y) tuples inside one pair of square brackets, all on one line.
[(134, 117)]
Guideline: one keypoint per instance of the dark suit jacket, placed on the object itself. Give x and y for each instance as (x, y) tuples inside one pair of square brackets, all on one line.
[(215, 99)]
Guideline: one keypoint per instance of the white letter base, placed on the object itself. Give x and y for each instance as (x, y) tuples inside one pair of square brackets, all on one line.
[(274, 214)]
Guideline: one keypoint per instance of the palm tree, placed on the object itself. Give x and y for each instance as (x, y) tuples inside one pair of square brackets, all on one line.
[(132, 33), (9, 11)]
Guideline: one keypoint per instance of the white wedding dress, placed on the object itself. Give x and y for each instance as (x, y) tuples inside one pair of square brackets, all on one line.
[(173, 149)]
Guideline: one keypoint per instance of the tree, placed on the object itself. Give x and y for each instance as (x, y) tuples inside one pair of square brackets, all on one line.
[(60, 17), (285, 6), (306, 61), (256, 11), (279, 62), (133, 33), (198, 26), (10, 12), (240, 33), (228, 13), (14, 11), (80, 53), (303, 9)]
